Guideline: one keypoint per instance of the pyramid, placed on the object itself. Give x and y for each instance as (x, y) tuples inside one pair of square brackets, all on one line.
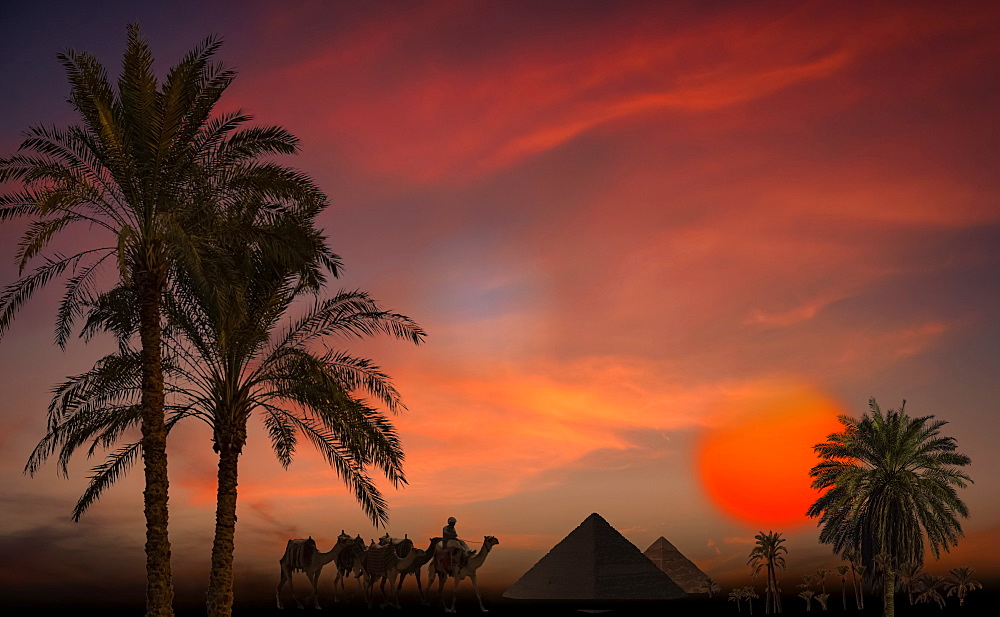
[(594, 562), (679, 568)]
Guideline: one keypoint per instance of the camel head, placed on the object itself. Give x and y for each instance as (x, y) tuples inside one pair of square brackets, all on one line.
[(490, 542)]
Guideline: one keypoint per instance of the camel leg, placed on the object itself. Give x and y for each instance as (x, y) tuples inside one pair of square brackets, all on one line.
[(441, 578), (420, 589), (454, 596), (475, 586), (291, 587), (314, 581), (277, 592)]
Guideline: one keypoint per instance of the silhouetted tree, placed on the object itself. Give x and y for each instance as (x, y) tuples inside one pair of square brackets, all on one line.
[(960, 582), (930, 585), (710, 587), (148, 167), (889, 483), (910, 575), (842, 571), (769, 553), (807, 595)]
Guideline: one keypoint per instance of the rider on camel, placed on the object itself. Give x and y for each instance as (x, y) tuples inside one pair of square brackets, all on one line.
[(457, 549)]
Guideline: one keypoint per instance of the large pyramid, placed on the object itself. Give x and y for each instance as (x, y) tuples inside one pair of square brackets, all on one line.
[(594, 562), (679, 568)]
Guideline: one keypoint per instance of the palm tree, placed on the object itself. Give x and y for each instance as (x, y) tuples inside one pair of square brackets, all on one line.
[(710, 586), (853, 559), (769, 553), (735, 596), (960, 582), (807, 595), (842, 571), (148, 167), (930, 585), (226, 365), (863, 571), (750, 595), (890, 483), (821, 578), (910, 575)]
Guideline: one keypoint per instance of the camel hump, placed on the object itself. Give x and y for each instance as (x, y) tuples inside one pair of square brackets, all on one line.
[(300, 553)]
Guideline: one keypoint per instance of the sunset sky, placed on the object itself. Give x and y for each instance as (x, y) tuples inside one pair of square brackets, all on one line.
[(657, 248)]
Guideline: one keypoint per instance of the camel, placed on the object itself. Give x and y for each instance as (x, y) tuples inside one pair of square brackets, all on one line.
[(422, 558), (348, 563), (303, 556), (384, 563), (443, 567)]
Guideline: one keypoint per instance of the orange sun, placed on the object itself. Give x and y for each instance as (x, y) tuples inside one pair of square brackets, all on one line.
[(755, 464)]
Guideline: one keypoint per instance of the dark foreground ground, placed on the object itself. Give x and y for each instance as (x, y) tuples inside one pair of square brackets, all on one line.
[(979, 603)]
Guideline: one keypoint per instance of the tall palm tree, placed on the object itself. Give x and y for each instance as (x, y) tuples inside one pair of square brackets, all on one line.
[(769, 553), (148, 167), (224, 366), (960, 582), (889, 484)]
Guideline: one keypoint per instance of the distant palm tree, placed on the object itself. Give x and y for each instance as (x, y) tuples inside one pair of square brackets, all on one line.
[(710, 587), (769, 553), (807, 595), (821, 578), (889, 483), (750, 595), (930, 585), (823, 598), (147, 169), (842, 571), (960, 582), (853, 559), (910, 578), (735, 596)]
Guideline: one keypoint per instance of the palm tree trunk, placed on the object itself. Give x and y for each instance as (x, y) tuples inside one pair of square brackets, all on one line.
[(220, 584), (888, 607), (159, 588), (857, 601)]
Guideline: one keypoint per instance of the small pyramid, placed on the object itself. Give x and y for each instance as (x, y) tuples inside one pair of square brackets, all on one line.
[(594, 562), (674, 564)]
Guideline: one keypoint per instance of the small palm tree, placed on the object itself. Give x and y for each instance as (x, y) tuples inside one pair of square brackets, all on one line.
[(769, 553), (807, 595), (822, 598), (736, 595), (710, 587), (930, 585), (960, 582), (821, 578), (749, 595), (842, 571), (889, 483), (910, 578), (852, 558)]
